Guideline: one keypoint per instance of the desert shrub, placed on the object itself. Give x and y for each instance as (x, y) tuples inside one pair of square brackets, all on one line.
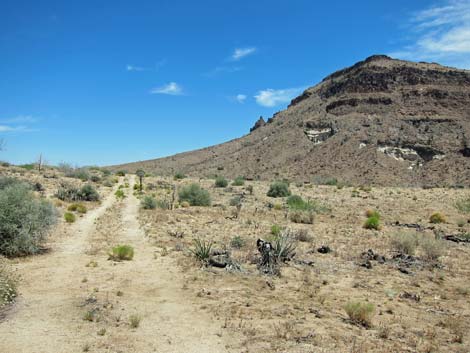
[(38, 187), (202, 249), (27, 166), (304, 217), (220, 182), (279, 189), (237, 242), (463, 205), (437, 218), (404, 243), (78, 173), (302, 235), (235, 201), (119, 194), (277, 206), (360, 313), (95, 178), (70, 193), (4, 164), (163, 204), (432, 249), (69, 217), (148, 203), (7, 181), (24, 220), (284, 246), (249, 188), (121, 172), (372, 222), (239, 181), (194, 195), (8, 285), (77, 207), (134, 320), (179, 176), (122, 252), (276, 230)]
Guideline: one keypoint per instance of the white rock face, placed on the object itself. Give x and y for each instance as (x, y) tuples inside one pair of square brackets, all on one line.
[(317, 136), (406, 154)]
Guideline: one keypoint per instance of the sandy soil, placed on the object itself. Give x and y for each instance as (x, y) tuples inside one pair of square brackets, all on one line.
[(74, 299)]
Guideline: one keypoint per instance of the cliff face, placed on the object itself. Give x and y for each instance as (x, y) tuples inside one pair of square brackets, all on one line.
[(380, 121)]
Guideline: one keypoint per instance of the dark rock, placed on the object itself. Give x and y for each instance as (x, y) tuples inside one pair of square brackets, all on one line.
[(324, 249), (259, 123)]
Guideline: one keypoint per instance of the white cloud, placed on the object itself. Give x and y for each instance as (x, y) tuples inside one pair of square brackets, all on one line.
[(272, 97), (222, 69), (240, 98), (240, 53), (171, 88), (20, 119), (440, 33), (8, 128), (134, 68)]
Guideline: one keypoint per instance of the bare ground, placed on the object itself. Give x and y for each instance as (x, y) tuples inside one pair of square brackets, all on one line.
[(74, 299)]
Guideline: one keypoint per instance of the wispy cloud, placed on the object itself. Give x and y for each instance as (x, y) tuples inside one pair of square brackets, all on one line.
[(9, 128), (17, 124), (222, 69), (273, 97), (440, 33), (240, 98), (171, 88), (156, 67), (240, 53)]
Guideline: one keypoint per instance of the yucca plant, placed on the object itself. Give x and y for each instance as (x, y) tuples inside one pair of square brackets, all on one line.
[(202, 249), (284, 246)]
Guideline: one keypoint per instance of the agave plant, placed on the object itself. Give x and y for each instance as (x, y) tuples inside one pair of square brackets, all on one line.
[(202, 249)]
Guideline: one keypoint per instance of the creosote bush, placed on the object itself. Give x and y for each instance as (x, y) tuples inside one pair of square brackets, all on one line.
[(279, 189), (360, 313), (239, 181), (77, 207), (373, 220), (122, 252), (220, 182), (148, 203), (179, 176), (237, 242), (405, 243), (194, 195), (437, 218), (432, 248), (304, 217), (69, 217), (25, 220), (70, 193)]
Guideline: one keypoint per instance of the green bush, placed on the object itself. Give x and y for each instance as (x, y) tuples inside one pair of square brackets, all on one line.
[(279, 189), (239, 181), (463, 205), (69, 217), (77, 207), (70, 193), (119, 194), (276, 230), (24, 220), (149, 203), (122, 252), (237, 242), (235, 201), (284, 246), (360, 313), (221, 182), (194, 195), (432, 249), (7, 181), (27, 166), (179, 176), (89, 193), (121, 172), (437, 218), (372, 222)]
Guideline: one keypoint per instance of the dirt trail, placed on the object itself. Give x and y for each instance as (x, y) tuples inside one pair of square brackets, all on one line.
[(58, 287)]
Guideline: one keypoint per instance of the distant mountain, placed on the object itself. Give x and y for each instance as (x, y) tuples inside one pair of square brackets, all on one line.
[(381, 121)]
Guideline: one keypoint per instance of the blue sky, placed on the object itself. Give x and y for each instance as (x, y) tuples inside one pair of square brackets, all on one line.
[(105, 82)]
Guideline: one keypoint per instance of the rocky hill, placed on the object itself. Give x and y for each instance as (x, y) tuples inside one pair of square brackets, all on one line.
[(381, 121)]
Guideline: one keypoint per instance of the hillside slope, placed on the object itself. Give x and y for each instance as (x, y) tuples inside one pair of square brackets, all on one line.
[(381, 121)]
